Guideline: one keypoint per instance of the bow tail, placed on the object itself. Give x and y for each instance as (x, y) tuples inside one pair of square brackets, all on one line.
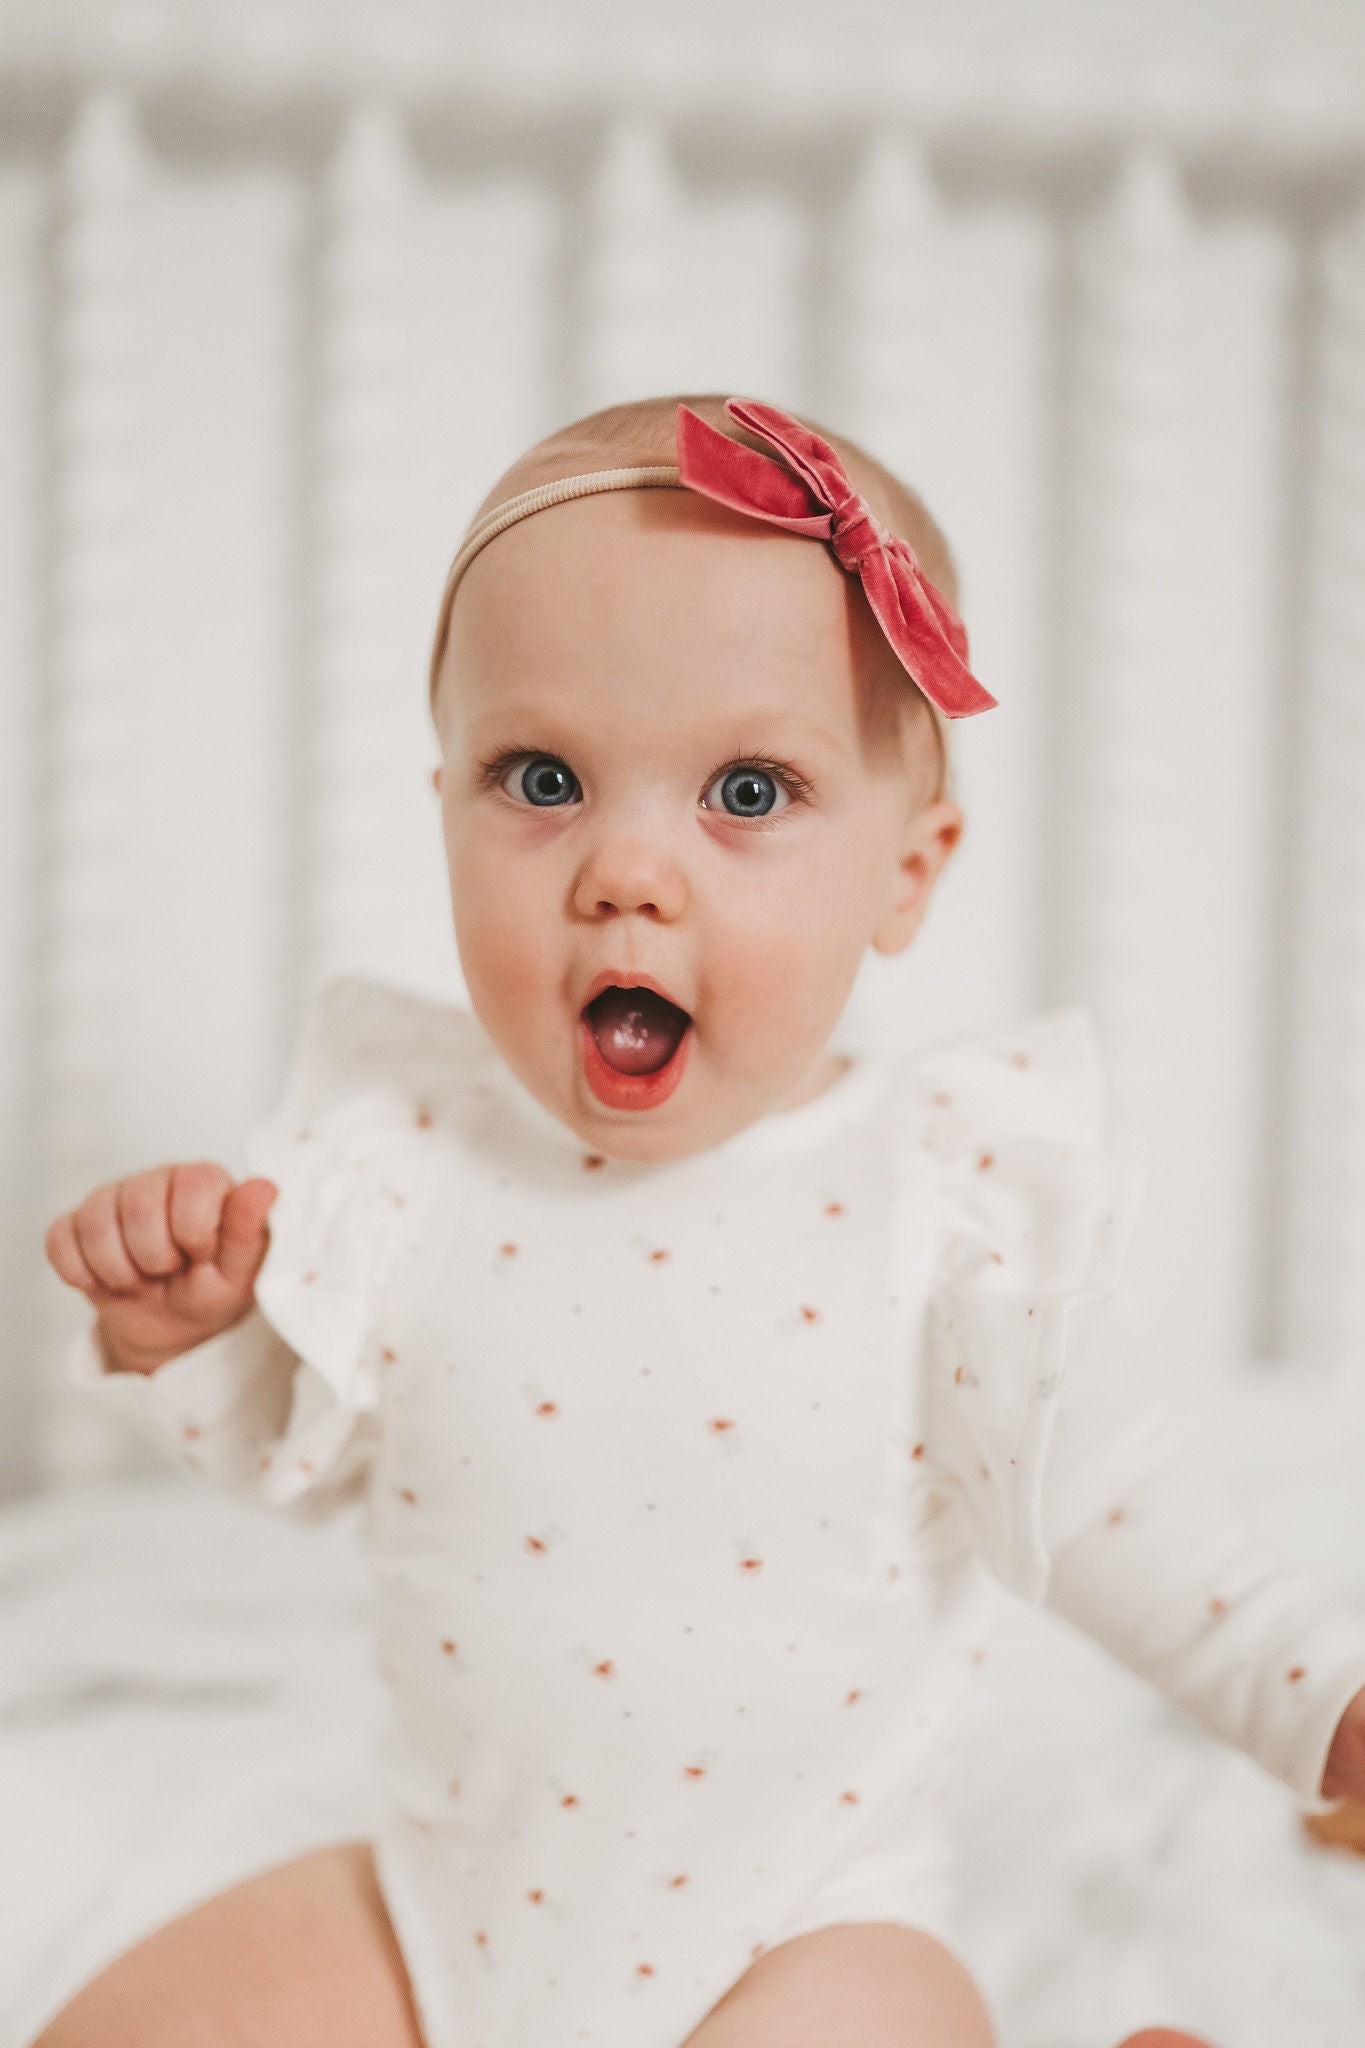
[(896, 595)]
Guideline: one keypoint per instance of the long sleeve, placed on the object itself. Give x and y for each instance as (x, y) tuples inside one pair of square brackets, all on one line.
[(245, 1412), (1074, 1483), (1150, 1560)]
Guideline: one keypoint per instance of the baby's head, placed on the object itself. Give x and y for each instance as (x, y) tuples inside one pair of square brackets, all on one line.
[(679, 757)]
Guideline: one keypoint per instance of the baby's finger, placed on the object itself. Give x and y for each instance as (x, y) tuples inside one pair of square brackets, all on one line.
[(65, 1258), (101, 1242), (141, 1205), (198, 1192), (245, 1240)]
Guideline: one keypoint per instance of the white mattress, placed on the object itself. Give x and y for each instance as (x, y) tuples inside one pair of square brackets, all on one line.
[(185, 1697)]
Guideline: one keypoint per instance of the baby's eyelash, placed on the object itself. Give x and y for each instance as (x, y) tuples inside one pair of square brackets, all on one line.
[(792, 780), (490, 772)]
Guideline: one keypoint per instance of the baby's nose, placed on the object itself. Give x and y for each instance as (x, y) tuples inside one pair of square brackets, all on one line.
[(623, 875)]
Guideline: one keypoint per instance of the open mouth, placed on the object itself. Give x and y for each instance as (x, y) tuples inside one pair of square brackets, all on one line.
[(634, 1046)]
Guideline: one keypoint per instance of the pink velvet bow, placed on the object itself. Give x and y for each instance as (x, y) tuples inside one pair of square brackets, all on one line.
[(922, 627)]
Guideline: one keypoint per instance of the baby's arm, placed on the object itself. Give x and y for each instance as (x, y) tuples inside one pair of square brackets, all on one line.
[(168, 1259), (1150, 1560)]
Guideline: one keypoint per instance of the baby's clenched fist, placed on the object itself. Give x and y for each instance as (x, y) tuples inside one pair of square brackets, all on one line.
[(168, 1258)]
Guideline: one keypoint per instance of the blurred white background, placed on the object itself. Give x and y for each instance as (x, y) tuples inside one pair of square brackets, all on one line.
[(283, 287)]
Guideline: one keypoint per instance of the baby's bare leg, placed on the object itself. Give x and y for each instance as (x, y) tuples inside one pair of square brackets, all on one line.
[(298, 1957), (867, 1984)]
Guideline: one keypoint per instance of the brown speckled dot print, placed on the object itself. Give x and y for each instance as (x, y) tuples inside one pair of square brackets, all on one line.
[(917, 1299)]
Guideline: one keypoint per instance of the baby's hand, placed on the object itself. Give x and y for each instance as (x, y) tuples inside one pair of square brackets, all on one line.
[(168, 1258)]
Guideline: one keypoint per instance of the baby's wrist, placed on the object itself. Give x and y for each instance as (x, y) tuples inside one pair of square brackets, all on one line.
[(1344, 1776)]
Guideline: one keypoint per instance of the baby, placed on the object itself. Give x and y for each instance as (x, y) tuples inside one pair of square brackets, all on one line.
[(692, 1372)]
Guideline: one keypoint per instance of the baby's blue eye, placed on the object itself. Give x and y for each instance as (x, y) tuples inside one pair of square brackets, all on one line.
[(542, 781), (745, 792)]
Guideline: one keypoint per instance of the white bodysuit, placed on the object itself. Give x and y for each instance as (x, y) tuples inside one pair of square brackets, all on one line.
[(678, 1483)]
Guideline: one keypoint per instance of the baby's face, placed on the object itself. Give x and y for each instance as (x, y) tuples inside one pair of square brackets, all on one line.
[(674, 764)]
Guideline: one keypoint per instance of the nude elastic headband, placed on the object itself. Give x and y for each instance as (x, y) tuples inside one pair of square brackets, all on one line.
[(809, 492)]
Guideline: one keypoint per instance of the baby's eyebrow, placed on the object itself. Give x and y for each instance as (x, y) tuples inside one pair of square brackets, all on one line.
[(802, 728), (750, 730)]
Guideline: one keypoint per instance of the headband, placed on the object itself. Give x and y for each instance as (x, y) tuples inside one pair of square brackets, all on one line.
[(809, 492)]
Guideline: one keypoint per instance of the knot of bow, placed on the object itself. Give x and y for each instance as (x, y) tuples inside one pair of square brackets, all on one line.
[(810, 492)]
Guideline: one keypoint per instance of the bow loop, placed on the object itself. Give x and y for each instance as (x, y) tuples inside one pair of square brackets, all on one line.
[(810, 492)]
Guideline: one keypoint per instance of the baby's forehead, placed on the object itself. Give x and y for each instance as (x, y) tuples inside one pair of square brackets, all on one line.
[(660, 614), (661, 566)]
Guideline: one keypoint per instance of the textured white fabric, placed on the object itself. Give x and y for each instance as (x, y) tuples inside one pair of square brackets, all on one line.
[(677, 1483)]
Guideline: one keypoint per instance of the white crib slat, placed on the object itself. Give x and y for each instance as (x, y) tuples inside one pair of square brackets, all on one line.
[(88, 1012), (1125, 705), (357, 766), (883, 245), (628, 343), (22, 223), (1325, 1235)]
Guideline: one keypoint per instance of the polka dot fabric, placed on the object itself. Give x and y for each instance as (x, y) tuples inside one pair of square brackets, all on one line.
[(677, 1485)]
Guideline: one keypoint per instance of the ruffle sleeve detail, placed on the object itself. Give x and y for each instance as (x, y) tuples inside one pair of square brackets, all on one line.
[(1035, 1213), (349, 1147)]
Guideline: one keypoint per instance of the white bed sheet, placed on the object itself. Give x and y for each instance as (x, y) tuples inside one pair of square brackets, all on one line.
[(185, 1697)]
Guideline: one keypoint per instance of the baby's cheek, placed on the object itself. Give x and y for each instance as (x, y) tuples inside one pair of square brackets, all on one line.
[(501, 935)]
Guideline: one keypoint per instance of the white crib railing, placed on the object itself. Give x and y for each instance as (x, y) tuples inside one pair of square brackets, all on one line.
[(275, 317)]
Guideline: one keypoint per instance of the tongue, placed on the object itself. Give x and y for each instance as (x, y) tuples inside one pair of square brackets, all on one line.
[(637, 1032)]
